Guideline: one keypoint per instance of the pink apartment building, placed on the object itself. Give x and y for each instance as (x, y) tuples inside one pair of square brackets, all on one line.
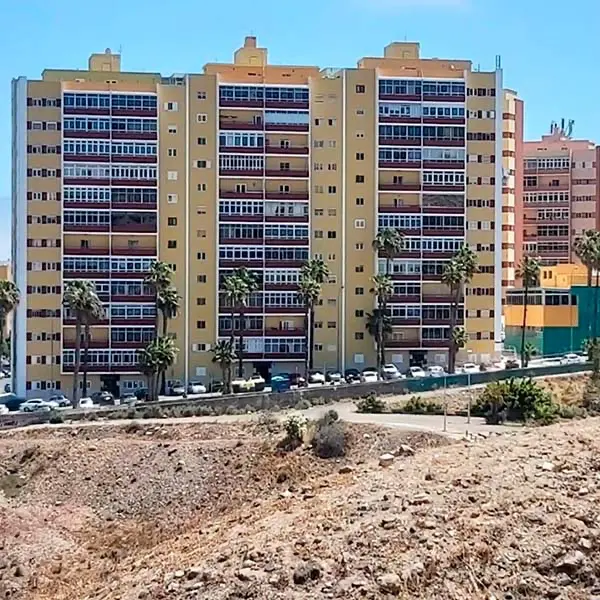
[(561, 195)]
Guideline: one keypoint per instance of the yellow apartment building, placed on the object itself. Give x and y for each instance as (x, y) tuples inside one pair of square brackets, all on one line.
[(259, 165)]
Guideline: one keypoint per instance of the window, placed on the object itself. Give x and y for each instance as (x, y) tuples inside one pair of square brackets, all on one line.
[(172, 152), (201, 233), (201, 141), (200, 324), (201, 256), (172, 198), (201, 279), (201, 95), (318, 347), (332, 189), (359, 223), (171, 106), (201, 187), (359, 246), (172, 128), (331, 212), (360, 156), (359, 313), (172, 244), (318, 212), (317, 122), (331, 324), (172, 175), (331, 144), (172, 221), (359, 335), (360, 202), (360, 179), (201, 210), (318, 234), (332, 167), (360, 89), (201, 118), (203, 164), (200, 301), (359, 269), (331, 235), (359, 291)]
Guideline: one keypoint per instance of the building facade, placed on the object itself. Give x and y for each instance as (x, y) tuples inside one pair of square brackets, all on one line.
[(561, 195), (562, 313), (260, 165)]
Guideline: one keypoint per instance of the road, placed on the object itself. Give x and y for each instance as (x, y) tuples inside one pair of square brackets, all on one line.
[(456, 427)]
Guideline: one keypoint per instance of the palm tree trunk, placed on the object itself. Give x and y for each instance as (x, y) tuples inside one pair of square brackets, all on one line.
[(382, 330), (75, 398), (452, 347), (311, 329), (2, 328), (241, 351), (307, 341), (232, 336), (156, 317), (596, 304), (524, 326), (163, 374), (86, 349)]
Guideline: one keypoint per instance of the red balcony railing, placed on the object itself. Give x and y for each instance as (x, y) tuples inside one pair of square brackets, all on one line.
[(285, 173), (135, 228), (442, 98), (286, 218), (241, 172), (133, 321), (402, 321), (127, 206), (399, 187), (80, 251), (84, 204), (403, 343), (437, 187), (284, 310), (70, 344), (106, 368), (286, 242), (405, 299), (286, 149), (245, 195), (236, 241), (399, 165), (443, 164), (128, 344), (286, 127), (409, 208), (398, 119), (137, 298), (286, 195), (234, 125), (254, 218), (444, 120), (444, 142), (407, 97), (276, 332), (436, 343), (433, 210), (385, 141), (444, 232), (134, 251)]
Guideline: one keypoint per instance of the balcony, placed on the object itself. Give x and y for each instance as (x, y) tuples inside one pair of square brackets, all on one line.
[(436, 343), (286, 195), (133, 298), (128, 158), (236, 241), (402, 344), (232, 263), (444, 232), (286, 149), (442, 98), (440, 322), (105, 368), (454, 142), (406, 277), (405, 299), (128, 206), (134, 228), (86, 204), (284, 354), (82, 251), (285, 310), (436, 187), (241, 149), (273, 241), (128, 344), (90, 274), (247, 332), (286, 218), (85, 110), (401, 97), (98, 322), (399, 165), (241, 103), (408, 208), (70, 344), (546, 187), (95, 158), (225, 308), (446, 210), (405, 322), (558, 171), (384, 141), (133, 321), (234, 125), (134, 135), (87, 134), (399, 187), (444, 120), (133, 251), (133, 182), (440, 255), (240, 218), (290, 104), (241, 194), (92, 181), (241, 172), (292, 127), (399, 119), (281, 287), (286, 173), (444, 164), (284, 264), (276, 332), (134, 112)]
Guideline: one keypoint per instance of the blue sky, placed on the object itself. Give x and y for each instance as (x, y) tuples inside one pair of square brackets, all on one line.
[(549, 49)]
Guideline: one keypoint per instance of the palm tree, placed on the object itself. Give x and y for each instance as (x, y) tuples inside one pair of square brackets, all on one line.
[(388, 242), (238, 288), (9, 298), (383, 288), (167, 304), (460, 337), (309, 291), (158, 279), (458, 272), (81, 299), (224, 355), (158, 356), (586, 248), (530, 352), (316, 269), (529, 272), (379, 326)]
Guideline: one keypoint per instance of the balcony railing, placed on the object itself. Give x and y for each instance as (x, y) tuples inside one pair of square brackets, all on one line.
[(283, 310), (408, 208), (386, 141), (285, 173), (134, 251), (441, 187), (436, 343), (242, 194), (286, 195), (454, 142), (300, 127), (234, 125), (399, 187), (80, 251), (384, 164), (135, 228), (286, 149)]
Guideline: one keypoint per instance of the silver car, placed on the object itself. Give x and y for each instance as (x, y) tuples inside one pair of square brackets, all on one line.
[(37, 405)]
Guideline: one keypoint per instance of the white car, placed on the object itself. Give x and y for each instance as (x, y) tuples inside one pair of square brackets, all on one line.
[(436, 371), (239, 385), (37, 405), (258, 381), (86, 403), (196, 387), (391, 372), (369, 376), (316, 377), (4, 409), (470, 368), (415, 372), (570, 359)]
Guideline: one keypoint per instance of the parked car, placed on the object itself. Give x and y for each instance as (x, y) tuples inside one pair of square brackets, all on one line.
[(570, 359), (7, 388), (294, 378), (60, 399), (436, 371), (216, 387), (86, 403), (103, 397), (11, 401), (369, 375), (352, 375), (258, 382), (240, 385), (415, 372), (333, 377), (176, 388), (196, 387), (128, 398), (280, 383), (315, 376), (37, 405), (512, 363), (469, 368), (4, 409), (141, 393), (390, 372)]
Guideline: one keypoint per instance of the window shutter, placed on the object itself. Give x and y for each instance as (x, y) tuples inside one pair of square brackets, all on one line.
[(29, 101)]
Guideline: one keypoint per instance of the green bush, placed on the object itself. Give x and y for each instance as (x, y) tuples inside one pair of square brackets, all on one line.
[(249, 409), (418, 406), (56, 417), (371, 404), (232, 410), (295, 426), (152, 412), (516, 400), (204, 411), (303, 404), (329, 440)]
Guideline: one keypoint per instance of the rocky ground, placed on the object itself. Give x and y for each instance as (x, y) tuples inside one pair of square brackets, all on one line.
[(219, 512)]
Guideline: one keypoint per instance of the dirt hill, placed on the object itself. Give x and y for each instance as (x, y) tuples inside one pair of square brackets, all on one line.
[(218, 512)]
